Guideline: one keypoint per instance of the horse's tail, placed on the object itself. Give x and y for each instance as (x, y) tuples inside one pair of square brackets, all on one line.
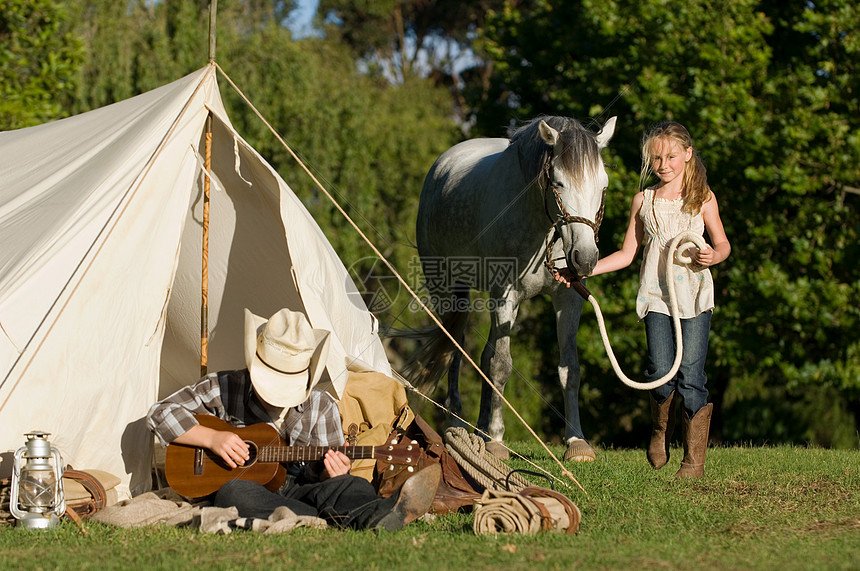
[(426, 365)]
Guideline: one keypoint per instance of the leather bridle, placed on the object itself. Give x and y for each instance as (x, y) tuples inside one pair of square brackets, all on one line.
[(564, 217)]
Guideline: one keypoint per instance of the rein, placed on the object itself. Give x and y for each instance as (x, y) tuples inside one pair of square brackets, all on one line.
[(564, 217)]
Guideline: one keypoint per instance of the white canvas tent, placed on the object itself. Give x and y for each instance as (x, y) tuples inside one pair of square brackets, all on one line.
[(100, 262)]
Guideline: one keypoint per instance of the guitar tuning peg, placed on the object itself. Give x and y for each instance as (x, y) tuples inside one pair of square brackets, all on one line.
[(414, 442), (410, 469), (390, 458), (409, 447), (391, 467), (393, 441)]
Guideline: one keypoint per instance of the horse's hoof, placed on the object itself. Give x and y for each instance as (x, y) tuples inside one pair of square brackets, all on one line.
[(579, 451), (497, 449)]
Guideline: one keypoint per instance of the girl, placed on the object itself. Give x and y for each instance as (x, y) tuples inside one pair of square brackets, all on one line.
[(680, 201)]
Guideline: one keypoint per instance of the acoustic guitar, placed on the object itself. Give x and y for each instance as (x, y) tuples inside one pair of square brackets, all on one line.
[(196, 472)]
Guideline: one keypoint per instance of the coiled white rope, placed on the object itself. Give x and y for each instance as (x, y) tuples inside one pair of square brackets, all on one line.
[(676, 253), (470, 452)]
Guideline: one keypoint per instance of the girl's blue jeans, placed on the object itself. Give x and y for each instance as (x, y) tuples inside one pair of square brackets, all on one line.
[(690, 380)]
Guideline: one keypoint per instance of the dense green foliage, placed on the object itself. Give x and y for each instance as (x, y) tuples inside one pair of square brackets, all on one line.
[(415, 38), (769, 90), (39, 58), (757, 508)]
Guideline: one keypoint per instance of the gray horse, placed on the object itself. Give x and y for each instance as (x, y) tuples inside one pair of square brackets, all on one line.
[(489, 211)]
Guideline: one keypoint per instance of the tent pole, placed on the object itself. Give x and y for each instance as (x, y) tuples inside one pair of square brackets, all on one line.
[(204, 281), (213, 9), (204, 288)]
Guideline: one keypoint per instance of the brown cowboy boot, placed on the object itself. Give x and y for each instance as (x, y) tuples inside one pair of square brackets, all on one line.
[(695, 443), (413, 500), (662, 425)]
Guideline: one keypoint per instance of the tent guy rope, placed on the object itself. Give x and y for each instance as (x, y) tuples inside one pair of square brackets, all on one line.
[(397, 275)]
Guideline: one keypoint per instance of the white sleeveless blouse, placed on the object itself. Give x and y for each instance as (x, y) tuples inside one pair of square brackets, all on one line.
[(663, 220)]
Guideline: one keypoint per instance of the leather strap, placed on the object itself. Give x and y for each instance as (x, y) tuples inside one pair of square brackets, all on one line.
[(91, 485), (573, 513)]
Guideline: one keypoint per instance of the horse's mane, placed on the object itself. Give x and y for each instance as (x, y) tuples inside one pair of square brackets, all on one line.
[(581, 156)]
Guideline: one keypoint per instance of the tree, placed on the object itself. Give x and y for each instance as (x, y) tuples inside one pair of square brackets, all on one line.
[(136, 46), (39, 57), (803, 226), (399, 39)]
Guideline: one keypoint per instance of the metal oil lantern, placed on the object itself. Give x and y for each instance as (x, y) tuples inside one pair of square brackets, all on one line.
[(36, 498)]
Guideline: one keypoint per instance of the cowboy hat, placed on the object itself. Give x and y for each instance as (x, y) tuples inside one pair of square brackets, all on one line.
[(285, 356)]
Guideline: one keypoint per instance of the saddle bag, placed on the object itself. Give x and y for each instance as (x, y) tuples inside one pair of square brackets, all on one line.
[(456, 492)]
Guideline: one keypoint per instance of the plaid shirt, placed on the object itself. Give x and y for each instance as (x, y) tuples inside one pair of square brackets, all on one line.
[(229, 395)]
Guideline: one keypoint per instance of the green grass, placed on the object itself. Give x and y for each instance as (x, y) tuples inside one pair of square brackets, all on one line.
[(757, 508)]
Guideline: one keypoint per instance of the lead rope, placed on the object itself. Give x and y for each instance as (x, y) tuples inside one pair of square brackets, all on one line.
[(678, 256)]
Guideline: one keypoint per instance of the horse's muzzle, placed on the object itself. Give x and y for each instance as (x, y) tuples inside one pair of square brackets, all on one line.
[(581, 260)]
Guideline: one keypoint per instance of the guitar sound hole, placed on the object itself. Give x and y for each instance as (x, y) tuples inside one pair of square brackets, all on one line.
[(252, 452)]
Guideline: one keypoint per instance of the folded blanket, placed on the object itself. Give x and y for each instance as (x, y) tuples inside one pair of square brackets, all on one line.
[(282, 519), (169, 509)]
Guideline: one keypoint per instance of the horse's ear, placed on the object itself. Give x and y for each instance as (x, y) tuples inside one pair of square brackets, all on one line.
[(547, 133), (606, 133)]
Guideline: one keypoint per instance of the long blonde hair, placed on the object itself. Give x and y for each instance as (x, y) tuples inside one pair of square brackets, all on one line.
[(695, 190)]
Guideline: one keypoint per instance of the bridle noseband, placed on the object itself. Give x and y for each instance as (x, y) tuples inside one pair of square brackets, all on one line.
[(564, 217)]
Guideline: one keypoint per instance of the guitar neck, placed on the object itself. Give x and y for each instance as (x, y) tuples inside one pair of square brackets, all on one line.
[(279, 453)]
